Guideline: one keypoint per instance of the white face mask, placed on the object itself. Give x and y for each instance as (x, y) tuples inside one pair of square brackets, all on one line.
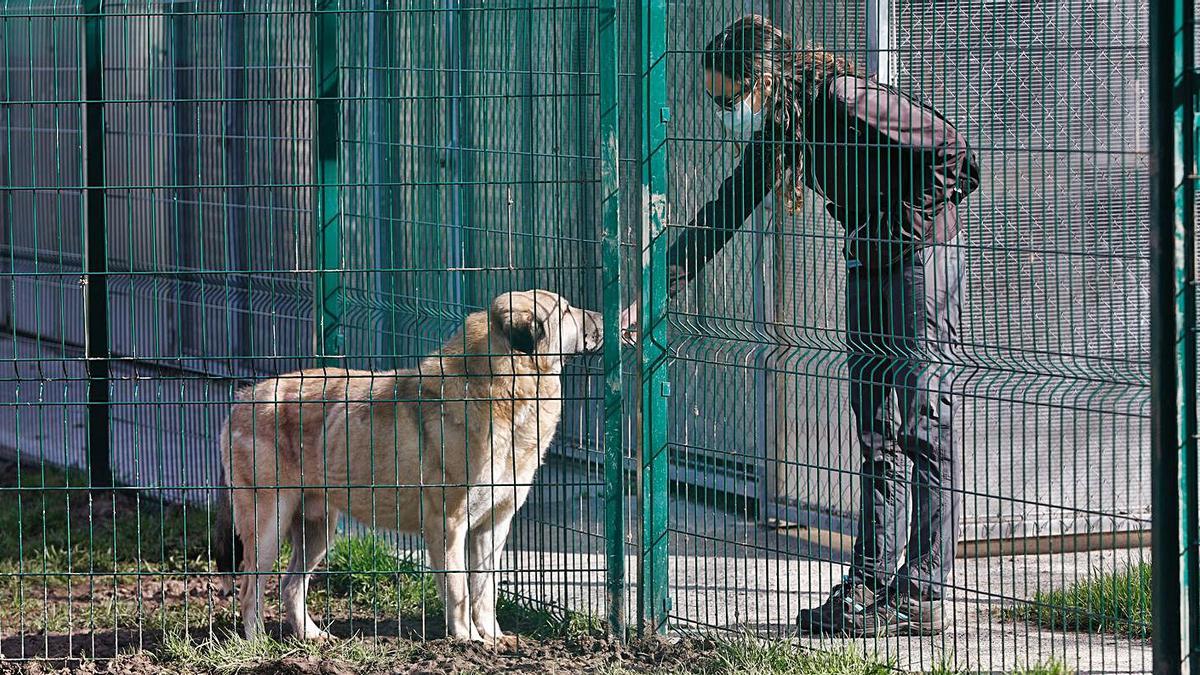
[(742, 121)]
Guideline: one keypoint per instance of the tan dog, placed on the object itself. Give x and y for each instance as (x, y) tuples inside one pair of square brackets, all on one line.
[(448, 450)]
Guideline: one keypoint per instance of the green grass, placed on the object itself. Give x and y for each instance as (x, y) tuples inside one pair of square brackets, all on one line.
[(228, 653), (367, 568), (757, 657), (66, 552), (57, 529), (33, 614), (366, 571), (742, 656), (1108, 603), (541, 621)]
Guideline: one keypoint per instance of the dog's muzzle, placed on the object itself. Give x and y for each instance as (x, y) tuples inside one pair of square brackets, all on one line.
[(593, 334)]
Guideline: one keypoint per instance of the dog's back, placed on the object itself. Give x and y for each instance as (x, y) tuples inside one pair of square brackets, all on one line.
[(334, 439)]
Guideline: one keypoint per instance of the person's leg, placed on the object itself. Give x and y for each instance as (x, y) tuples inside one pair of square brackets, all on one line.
[(928, 406), (930, 318), (883, 492), (883, 489)]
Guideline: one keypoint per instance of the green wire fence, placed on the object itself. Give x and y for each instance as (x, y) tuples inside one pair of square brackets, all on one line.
[(196, 195)]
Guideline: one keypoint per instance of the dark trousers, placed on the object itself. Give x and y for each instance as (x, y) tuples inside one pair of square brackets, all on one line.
[(903, 328)]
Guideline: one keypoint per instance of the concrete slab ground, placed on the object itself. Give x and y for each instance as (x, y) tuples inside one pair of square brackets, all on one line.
[(730, 573)]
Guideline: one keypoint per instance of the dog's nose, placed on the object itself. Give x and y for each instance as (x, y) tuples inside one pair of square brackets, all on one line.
[(593, 330)]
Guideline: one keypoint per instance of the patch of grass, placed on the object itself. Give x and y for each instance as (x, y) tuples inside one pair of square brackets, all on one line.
[(752, 656), (1109, 603), (366, 570), (229, 653), (543, 621), (82, 615), (59, 529)]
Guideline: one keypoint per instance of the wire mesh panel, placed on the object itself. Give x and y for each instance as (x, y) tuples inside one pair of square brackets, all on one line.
[(280, 181), (883, 266), (778, 339)]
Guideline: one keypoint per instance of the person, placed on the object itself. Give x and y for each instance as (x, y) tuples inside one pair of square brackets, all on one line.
[(892, 172)]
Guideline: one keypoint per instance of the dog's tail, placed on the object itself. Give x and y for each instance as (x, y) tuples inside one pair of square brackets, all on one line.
[(226, 544)]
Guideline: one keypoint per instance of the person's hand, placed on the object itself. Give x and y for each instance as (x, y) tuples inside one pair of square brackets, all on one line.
[(629, 329)]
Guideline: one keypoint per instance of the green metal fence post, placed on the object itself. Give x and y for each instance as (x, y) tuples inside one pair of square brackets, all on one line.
[(1175, 596), (96, 281), (327, 173), (653, 597), (610, 213)]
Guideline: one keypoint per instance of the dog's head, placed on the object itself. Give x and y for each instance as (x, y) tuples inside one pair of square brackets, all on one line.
[(541, 323)]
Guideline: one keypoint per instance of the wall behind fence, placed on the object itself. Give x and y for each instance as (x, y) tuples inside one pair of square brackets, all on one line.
[(468, 167)]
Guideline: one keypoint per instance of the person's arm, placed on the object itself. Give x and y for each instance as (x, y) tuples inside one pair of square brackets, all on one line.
[(715, 224)]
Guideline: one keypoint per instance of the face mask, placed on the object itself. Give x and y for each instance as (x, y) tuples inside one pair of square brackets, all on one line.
[(742, 121)]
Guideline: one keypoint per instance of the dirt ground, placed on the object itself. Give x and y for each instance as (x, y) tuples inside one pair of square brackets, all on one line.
[(62, 609), (555, 657), (55, 617)]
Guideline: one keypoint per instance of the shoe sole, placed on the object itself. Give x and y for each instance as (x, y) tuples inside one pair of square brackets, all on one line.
[(890, 630), (908, 630)]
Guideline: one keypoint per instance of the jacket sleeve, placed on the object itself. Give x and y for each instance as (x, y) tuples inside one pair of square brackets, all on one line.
[(717, 221)]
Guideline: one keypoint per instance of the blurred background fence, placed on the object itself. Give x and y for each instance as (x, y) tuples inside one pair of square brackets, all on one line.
[(196, 194)]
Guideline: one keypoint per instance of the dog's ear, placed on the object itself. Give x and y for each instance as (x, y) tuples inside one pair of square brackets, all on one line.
[(521, 326)]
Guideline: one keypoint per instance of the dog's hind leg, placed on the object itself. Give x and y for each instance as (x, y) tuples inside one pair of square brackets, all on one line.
[(272, 509), (310, 542)]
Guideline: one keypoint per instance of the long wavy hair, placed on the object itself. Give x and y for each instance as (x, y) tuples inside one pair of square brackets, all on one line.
[(752, 46)]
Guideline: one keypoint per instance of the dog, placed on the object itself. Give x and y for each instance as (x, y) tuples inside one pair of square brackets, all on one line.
[(447, 450)]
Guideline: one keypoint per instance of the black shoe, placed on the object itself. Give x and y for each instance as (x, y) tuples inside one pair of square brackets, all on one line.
[(842, 613), (899, 613)]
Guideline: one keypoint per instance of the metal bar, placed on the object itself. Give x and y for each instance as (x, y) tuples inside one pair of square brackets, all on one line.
[(330, 335), (236, 161), (613, 296), (381, 202), (184, 164), (879, 40), (653, 596), (1172, 339), (457, 248), (96, 281)]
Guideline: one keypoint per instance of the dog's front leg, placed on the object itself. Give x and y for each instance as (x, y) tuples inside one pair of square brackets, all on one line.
[(487, 540), (447, 544)]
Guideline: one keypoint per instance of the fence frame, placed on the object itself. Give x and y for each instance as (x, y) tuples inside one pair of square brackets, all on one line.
[(1174, 466), (612, 294), (654, 601), (327, 170), (1173, 368), (97, 346)]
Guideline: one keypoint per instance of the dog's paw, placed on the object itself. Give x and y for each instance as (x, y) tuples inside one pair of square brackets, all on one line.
[(503, 642), (465, 635), (494, 637), (314, 634), (311, 631)]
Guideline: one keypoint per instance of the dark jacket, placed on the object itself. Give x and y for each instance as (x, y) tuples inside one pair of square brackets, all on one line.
[(891, 169)]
